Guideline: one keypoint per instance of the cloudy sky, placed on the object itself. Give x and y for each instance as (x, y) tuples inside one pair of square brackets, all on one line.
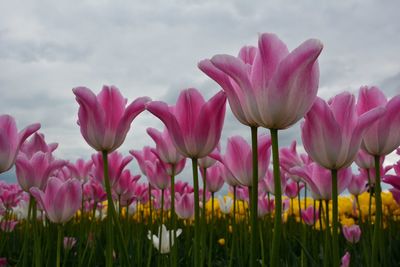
[(152, 48)]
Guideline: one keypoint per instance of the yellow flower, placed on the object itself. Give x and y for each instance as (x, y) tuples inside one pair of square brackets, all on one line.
[(221, 241)]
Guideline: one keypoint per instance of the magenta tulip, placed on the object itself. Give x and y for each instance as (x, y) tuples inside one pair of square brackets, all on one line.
[(81, 169), (37, 143), (268, 86), (214, 177), (332, 132), (35, 171), (61, 200), (194, 125), (105, 119), (157, 174), (309, 216), (289, 158), (241, 167), (352, 233), (383, 136), (269, 184), (345, 260), (184, 205), (265, 206), (358, 184), (319, 180), (166, 149), (11, 140), (292, 189), (116, 164)]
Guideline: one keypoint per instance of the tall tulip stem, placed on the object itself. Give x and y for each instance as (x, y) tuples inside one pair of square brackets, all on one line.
[(335, 241), (254, 198), (112, 215), (172, 235), (378, 214), (196, 212), (59, 240), (278, 200)]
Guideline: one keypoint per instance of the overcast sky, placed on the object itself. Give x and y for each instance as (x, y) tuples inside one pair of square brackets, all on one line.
[(152, 48)]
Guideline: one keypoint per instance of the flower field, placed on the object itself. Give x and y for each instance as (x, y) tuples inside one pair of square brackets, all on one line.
[(248, 204)]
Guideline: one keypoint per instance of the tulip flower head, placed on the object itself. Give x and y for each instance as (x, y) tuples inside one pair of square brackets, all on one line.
[(105, 119), (383, 136), (61, 199), (332, 131), (11, 140), (352, 233), (162, 230), (194, 125), (268, 86)]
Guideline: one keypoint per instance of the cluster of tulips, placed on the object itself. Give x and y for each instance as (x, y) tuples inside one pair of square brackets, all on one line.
[(96, 212)]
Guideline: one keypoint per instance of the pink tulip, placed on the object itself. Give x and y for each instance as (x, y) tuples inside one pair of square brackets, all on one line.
[(104, 119), (141, 156), (125, 184), (10, 195), (352, 233), (183, 187), (35, 171), (319, 180), (309, 216), (214, 178), (60, 200), (269, 184), (140, 192), (8, 226), (265, 206), (11, 140), (358, 184), (157, 174), (365, 160), (165, 148), (81, 169), (184, 205), (37, 143), (241, 168), (177, 168), (396, 195), (208, 161), (94, 190), (116, 164), (289, 158), (383, 136), (194, 125), (332, 132), (393, 180), (345, 260), (268, 86), (228, 176), (292, 189), (242, 193)]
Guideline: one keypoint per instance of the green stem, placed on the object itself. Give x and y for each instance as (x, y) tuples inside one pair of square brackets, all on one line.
[(254, 198), (378, 214), (196, 212), (150, 223), (172, 233), (112, 216), (327, 234), (211, 231), (278, 200), (233, 227), (160, 234), (59, 241), (204, 218), (335, 219)]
